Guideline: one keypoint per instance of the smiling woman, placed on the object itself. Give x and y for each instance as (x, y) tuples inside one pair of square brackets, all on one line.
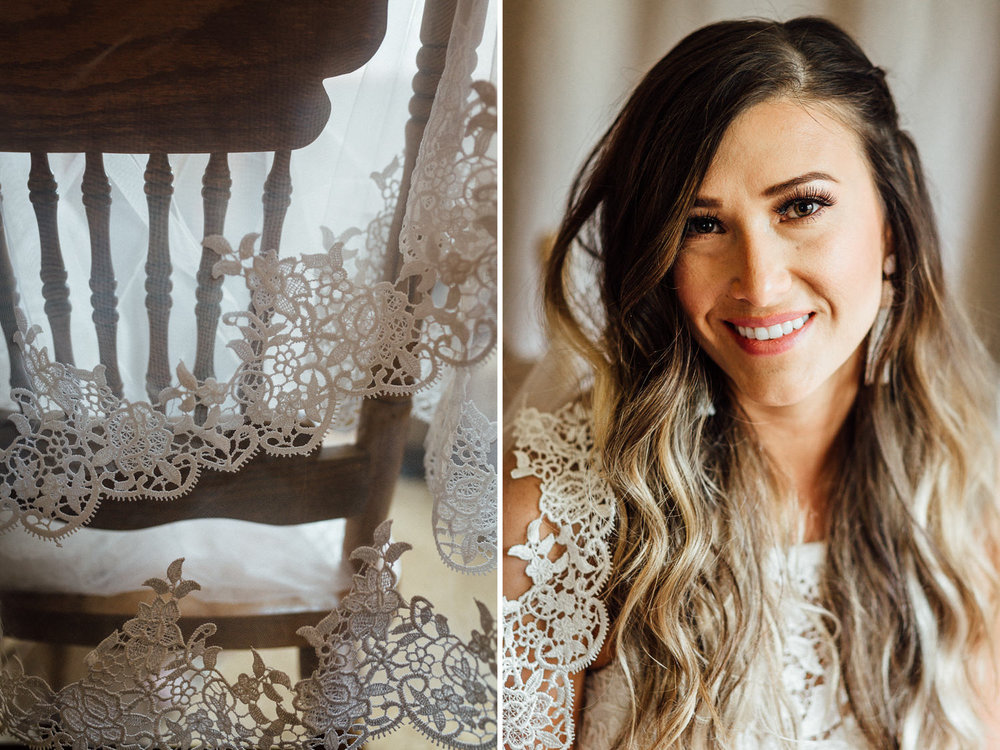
[(772, 520)]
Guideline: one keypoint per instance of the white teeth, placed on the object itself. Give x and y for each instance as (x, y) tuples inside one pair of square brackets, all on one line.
[(772, 332)]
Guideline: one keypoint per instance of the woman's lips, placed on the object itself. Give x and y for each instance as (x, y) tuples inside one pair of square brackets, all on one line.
[(771, 335)]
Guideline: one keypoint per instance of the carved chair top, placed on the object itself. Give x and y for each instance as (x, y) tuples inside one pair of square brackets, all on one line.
[(175, 76)]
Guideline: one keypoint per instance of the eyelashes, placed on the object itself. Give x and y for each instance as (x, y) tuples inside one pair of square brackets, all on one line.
[(800, 198), (702, 224), (801, 205)]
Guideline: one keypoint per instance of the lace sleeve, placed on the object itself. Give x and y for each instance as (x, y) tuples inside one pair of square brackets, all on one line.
[(558, 625)]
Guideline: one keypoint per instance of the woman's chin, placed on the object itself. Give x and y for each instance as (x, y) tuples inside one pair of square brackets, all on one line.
[(775, 393), (798, 390)]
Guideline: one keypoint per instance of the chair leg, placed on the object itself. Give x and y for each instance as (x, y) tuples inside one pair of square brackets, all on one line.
[(382, 433), (308, 662), (60, 664)]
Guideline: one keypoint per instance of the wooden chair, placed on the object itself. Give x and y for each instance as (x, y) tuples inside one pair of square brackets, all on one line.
[(165, 77)]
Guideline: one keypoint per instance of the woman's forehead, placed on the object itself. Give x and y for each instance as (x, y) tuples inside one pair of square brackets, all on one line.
[(781, 139)]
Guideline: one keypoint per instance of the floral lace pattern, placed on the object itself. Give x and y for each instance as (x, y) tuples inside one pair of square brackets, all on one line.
[(558, 626), (382, 661), (449, 235), (323, 330), (323, 337), (809, 658), (460, 469)]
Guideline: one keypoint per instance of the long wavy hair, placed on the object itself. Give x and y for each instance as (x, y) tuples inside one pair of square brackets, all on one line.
[(909, 584)]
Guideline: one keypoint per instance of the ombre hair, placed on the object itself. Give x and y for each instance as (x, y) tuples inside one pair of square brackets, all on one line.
[(909, 585)]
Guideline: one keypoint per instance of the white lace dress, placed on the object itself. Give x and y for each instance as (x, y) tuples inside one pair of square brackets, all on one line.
[(558, 626)]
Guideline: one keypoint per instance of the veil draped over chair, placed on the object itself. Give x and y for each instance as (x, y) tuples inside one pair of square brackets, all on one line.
[(178, 316)]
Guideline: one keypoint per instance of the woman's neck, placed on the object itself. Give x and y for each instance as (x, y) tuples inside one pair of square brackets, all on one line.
[(801, 440)]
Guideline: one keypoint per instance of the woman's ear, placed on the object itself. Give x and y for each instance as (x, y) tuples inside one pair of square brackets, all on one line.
[(889, 265), (888, 248)]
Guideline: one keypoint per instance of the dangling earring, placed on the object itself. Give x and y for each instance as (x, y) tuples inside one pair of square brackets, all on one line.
[(707, 407), (877, 334)]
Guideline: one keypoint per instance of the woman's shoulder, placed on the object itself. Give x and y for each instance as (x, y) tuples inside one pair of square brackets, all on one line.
[(553, 473)]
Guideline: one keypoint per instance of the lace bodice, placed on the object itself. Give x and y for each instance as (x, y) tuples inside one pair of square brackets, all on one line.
[(558, 626)]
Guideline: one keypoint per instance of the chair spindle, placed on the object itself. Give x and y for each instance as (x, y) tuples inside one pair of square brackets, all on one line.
[(44, 198), (435, 30), (215, 193), (9, 301), (276, 199), (97, 203), (159, 189)]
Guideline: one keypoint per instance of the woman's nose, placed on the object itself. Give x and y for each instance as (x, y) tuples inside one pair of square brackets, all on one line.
[(762, 277)]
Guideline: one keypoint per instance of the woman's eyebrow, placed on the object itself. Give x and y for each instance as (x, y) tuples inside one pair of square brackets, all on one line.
[(700, 202), (807, 177), (706, 202)]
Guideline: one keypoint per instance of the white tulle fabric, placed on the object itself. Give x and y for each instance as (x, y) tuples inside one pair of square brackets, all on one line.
[(449, 245), (558, 626)]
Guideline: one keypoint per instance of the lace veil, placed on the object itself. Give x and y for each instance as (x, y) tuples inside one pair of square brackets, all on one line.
[(335, 322)]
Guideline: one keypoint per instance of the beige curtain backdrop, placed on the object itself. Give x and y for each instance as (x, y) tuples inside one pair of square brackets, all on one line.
[(568, 66)]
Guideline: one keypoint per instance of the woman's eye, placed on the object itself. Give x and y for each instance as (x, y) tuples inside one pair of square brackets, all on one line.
[(801, 208), (702, 225)]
